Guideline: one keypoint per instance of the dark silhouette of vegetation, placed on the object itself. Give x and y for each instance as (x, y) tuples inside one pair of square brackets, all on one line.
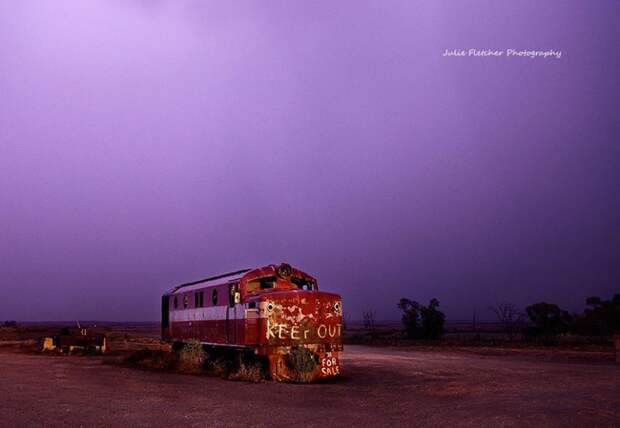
[(301, 360), (10, 323), (548, 320), (432, 320), (510, 317), (422, 322), (346, 320), (601, 318), (542, 322), (411, 317), (368, 317)]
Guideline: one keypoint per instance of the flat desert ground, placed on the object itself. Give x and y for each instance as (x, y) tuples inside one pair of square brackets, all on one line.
[(380, 387)]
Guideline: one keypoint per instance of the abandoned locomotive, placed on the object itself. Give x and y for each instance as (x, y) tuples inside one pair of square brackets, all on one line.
[(275, 312)]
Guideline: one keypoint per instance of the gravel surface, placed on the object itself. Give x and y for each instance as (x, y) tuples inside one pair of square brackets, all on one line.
[(380, 387)]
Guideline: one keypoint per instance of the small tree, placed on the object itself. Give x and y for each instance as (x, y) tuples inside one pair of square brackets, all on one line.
[(602, 317), (510, 317), (432, 320), (368, 315), (548, 319), (422, 322), (411, 317)]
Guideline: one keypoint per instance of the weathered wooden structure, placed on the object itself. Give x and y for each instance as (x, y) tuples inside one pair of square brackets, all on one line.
[(76, 339)]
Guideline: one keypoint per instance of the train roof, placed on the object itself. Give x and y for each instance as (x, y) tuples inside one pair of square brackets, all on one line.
[(212, 280), (232, 276)]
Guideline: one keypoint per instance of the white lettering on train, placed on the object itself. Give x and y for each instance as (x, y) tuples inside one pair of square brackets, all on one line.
[(294, 332), (329, 366)]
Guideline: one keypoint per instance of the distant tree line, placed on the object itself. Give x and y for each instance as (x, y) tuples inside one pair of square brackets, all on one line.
[(547, 320), (599, 318), (541, 320)]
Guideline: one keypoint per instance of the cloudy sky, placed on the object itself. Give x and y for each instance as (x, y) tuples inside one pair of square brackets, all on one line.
[(147, 143)]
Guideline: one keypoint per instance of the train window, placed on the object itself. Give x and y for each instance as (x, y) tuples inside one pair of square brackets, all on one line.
[(176, 302), (214, 297), (234, 296), (199, 299), (185, 301), (252, 286), (302, 283), (267, 282)]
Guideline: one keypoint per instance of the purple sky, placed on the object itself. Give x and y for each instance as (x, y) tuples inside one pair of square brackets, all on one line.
[(148, 143)]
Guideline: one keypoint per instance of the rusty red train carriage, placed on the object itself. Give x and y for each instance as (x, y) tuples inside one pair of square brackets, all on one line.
[(275, 312)]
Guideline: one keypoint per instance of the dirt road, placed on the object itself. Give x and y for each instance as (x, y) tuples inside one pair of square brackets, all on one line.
[(381, 387)]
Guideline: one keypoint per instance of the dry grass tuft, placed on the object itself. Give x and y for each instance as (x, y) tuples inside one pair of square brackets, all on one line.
[(192, 358), (154, 360), (248, 371)]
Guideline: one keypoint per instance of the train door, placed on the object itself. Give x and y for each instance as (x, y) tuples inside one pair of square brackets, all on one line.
[(232, 332), (165, 316)]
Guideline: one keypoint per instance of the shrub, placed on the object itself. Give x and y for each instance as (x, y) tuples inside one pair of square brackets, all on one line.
[(301, 359), (249, 371), (221, 367), (138, 356), (156, 360), (192, 358), (301, 362)]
